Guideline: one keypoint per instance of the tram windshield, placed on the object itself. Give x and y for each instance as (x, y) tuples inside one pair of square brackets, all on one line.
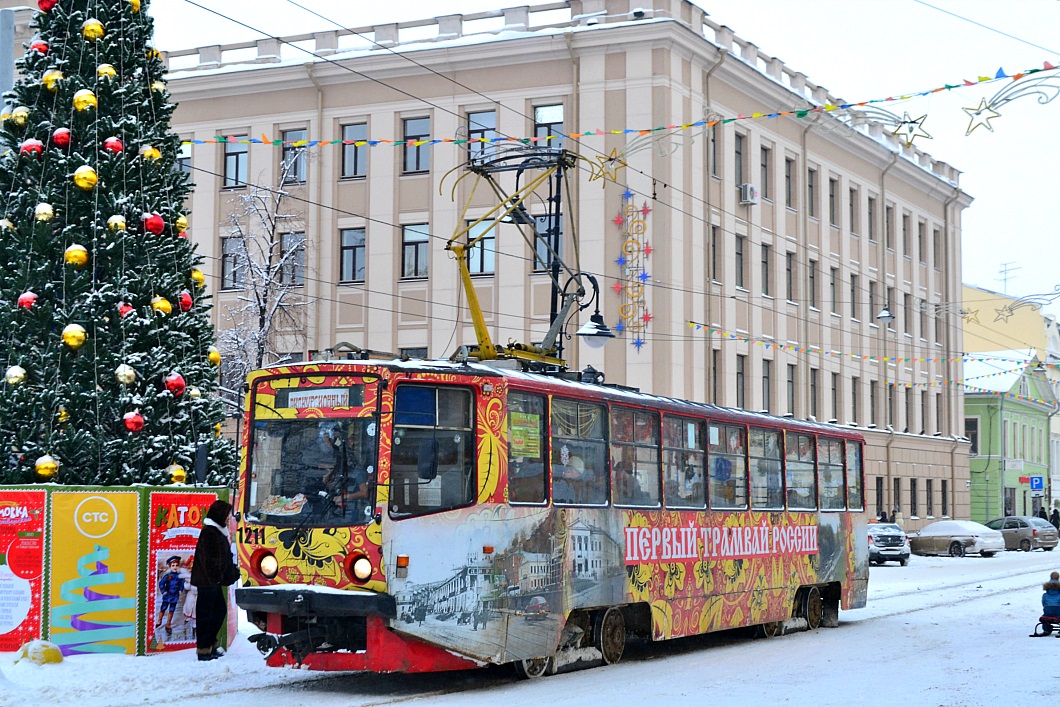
[(313, 472)]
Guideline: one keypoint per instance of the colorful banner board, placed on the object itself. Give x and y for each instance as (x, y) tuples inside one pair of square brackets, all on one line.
[(23, 518)]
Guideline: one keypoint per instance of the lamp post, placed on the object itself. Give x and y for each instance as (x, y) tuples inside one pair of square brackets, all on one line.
[(886, 318)]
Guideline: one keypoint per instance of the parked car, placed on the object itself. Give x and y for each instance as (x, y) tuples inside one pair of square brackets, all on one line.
[(1026, 532), (956, 538), (888, 543)]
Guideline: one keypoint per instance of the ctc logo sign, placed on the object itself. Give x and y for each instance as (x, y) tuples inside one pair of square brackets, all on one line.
[(95, 517)]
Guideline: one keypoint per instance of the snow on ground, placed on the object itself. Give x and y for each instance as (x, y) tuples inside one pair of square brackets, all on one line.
[(942, 631)]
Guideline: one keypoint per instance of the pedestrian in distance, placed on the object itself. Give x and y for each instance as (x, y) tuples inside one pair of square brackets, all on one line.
[(1042, 514), (1054, 518), (212, 571), (1051, 601)]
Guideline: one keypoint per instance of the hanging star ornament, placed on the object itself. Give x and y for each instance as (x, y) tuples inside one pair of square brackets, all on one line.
[(971, 316), (608, 167), (909, 129), (981, 116)]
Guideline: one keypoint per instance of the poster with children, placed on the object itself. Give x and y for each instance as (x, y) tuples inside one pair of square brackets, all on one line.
[(175, 521)]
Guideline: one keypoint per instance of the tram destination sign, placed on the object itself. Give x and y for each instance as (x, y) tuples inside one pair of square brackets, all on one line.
[(352, 396)]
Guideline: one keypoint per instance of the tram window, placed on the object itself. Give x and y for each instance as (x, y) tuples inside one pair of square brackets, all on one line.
[(579, 453), (683, 463), (855, 494), (728, 467), (526, 448), (800, 479), (432, 459), (767, 489), (830, 457), (635, 457)]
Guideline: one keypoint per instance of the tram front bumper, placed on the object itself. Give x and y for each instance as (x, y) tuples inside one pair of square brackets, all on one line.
[(304, 601)]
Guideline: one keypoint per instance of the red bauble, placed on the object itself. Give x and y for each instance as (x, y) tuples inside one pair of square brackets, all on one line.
[(61, 137), (175, 384), (154, 223), (39, 46), (27, 299), (133, 421), (125, 309), (113, 144), (47, 5), (31, 147), (185, 301)]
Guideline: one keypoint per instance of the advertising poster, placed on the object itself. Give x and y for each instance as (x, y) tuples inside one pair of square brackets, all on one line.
[(175, 520), (22, 523), (94, 568)]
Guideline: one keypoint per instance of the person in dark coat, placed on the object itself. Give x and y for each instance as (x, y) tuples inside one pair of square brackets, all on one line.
[(212, 571), (1051, 601), (1054, 518), (1042, 514)]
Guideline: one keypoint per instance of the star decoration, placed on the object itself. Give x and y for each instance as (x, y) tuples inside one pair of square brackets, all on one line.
[(618, 220), (638, 342), (1003, 313), (609, 166), (980, 116), (627, 195), (645, 210), (647, 317), (644, 276), (620, 327), (617, 287), (647, 249), (909, 129), (621, 260), (971, 316)]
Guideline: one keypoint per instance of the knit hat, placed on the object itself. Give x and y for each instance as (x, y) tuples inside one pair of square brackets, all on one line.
[(1054, 577)]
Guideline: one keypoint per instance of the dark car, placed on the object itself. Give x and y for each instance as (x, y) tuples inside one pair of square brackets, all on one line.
[(1025, 532), (888, 543)]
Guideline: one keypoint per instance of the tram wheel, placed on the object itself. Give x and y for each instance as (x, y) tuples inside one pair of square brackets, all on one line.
[(532, 667), (610, 634), (771, 629), (813, 608)]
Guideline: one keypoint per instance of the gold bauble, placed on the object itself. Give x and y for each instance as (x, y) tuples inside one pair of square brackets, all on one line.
[(150, 153), (135, 4), (15, 375), (74, 336), (76, 255), (213, 356), (153, 53), (161, 305), (51, 79), (92, 29), (85, 178), (84, 100), (158, 86), (106, 71), (176, 473), (194, 392), (116, 223), (44, 212), (46, 467), (217, 430), (63, 415), (125, 374), (197, 277), (19, 116), (181, 224)]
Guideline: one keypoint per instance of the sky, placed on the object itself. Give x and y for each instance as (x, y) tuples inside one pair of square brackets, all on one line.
[(858, 49), (940, 631)]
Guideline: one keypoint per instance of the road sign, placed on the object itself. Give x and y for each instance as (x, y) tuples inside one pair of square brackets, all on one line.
[(1037, 494), (1036, 483)]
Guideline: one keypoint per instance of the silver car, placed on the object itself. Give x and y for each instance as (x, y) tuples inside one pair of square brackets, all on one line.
[(956, 538), (1026, 532)]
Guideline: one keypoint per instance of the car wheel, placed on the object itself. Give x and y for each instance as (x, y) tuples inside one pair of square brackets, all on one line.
[(1025, 545), (903, 563), (956, 549)]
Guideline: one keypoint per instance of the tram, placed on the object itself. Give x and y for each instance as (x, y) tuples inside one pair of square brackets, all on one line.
[(412, 516)]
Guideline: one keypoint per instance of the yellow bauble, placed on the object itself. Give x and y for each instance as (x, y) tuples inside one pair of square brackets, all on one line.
[(158, 86), (125, 374), (84, 100), (194, 392), (161, 305), (44, 212), (76, 255), (19, 116), (74, 336), (135, 4), (15, 375), (197, 277), (92, 29), (176, 473), (106, 71), (46, 467), (150, 153), (213, 356), (217, 430), (51, 79), (85, 177), (181, 223), (6, 225), (63, 415), (153, 53), (116, 223)]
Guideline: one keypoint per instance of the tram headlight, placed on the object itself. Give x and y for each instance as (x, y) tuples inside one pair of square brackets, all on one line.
[(359, 568), (268, 566)]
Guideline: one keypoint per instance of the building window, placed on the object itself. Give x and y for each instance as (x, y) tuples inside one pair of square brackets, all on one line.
[(939, 324), (811, 272), (482, 256), (945, 497), (912, 498), (789, 183), (236, 157), (871, 216), (872, 402), (940, 416), (835, 396), (833, 202), (415, 250), (789, 276), (921, 242), (548, 121), (354, 156), (888, 227), (715, 374), (890, 403), (872, 300), (811, 193), (417, 157), (767, 165), (971, 431), (233, 263), (292, 258), (547, 242), (293, 156), (481, 125), (910, 420), (715, 233), (184, 158), (907, 236), (923, 308), (833, 289), (714, 151), (879, 497), (413, 352), (936, 239), (907, 314), (767, 385), (766, 290), (897, 494), (854, 211), (791, 389), (890, 307), (929, 497), (854, 296), (925, 412), (740, 240), (351, 255), (741, 371), (855, 384), (738, 151), (813, 392)]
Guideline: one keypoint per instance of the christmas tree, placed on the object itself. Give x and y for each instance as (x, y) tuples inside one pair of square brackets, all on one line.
[(106, 340)]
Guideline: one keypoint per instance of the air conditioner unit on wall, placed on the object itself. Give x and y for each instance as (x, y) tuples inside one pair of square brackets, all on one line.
[(748, 194)]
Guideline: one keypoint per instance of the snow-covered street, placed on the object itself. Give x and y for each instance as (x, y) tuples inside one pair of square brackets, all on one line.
[(941, 631)]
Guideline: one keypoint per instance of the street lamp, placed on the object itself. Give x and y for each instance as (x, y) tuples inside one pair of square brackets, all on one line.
[(595, 332)]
